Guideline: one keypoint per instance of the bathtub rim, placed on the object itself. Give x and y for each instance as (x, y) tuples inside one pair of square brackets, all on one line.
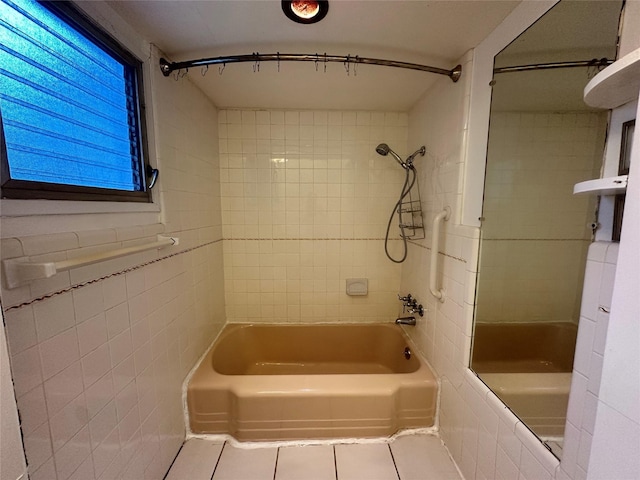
[(531, 381)]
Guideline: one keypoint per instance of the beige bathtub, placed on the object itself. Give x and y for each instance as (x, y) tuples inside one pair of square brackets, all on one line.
[(528, 366), (290, 382), (524, 347), (539, 399)]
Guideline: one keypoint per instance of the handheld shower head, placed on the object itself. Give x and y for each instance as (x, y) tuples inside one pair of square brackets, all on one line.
[(384, 150)]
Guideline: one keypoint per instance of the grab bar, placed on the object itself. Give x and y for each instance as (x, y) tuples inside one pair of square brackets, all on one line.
[(435, 240), (21, 270)]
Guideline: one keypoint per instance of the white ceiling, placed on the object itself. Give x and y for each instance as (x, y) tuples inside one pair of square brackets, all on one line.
[(435, 33)]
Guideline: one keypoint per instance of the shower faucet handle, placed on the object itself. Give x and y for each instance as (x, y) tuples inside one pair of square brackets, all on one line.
[(419, 309), (406, 300)]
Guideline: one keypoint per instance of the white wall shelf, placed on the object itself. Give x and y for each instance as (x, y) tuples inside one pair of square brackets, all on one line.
[(602, 186), (616, 85)]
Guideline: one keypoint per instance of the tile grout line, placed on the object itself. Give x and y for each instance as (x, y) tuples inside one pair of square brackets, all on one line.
[(275, 467), (174, 458), (413, 242), (394, 461), (218, 461)]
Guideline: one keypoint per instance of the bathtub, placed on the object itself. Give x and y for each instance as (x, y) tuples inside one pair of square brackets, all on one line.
[(524, 347), (528, 366), (291, 382), (539, 399)]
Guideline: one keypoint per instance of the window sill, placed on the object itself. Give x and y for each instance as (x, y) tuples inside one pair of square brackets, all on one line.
[(43, 217), (26, 208)]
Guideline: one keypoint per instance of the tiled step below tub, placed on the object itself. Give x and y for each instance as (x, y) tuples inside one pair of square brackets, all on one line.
[(292, 382)]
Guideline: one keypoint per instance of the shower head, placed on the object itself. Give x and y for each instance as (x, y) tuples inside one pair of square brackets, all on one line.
[(384, 150)]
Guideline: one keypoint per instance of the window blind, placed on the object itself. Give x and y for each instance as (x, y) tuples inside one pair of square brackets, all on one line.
[(69, 108)]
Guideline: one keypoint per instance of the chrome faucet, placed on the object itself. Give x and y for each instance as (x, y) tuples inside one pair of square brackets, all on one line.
[(406, 320), (412, 304)]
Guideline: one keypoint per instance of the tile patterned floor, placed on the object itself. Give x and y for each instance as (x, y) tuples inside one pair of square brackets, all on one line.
[(411, 457)]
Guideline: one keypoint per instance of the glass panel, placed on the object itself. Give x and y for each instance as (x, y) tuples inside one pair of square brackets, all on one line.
[(64, 103), (535, 234)]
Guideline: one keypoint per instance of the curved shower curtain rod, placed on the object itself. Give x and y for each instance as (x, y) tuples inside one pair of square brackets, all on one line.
[(596, 62), (167, 67)]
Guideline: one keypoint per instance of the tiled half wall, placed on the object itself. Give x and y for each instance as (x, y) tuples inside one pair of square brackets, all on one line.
[(98, 355)]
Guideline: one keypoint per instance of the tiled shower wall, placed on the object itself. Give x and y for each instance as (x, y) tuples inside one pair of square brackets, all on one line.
[(437, 121), (305, 205), (99, 353), (600, 272), (535, 231)]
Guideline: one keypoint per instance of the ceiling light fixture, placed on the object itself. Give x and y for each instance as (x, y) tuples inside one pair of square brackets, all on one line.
[(305, 11)]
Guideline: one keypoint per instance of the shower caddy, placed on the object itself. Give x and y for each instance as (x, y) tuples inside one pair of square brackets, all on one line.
[(410, 216)]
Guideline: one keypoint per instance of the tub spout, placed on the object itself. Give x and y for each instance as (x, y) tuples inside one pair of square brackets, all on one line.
[(406, 320)]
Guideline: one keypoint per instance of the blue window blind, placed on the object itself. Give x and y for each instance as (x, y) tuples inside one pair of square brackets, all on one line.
[(69, 108)]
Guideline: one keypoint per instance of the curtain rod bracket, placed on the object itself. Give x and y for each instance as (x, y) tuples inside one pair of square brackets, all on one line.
[(165, 67), (455, 73)]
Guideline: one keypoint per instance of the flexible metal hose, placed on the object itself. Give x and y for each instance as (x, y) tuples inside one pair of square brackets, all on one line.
[(406, 188)]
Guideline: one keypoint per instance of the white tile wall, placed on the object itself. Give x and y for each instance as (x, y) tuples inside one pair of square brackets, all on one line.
[(98, 366), (86, 391), (305, 204)]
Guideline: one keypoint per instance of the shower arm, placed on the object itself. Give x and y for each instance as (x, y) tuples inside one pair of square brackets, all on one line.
[(167, 67), (421, 151)]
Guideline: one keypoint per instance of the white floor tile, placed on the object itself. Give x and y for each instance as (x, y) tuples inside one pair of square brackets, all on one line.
[(309, 463), (420, 457), (365, 461), (417, 457), (196, 460), (246, 464)]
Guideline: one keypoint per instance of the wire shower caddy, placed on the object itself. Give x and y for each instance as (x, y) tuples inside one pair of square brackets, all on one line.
[(410, 215)]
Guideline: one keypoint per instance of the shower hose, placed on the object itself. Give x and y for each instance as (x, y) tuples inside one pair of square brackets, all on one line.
[(406, 188)]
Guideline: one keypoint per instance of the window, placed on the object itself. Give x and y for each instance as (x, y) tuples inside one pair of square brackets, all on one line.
[(71, 119)]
